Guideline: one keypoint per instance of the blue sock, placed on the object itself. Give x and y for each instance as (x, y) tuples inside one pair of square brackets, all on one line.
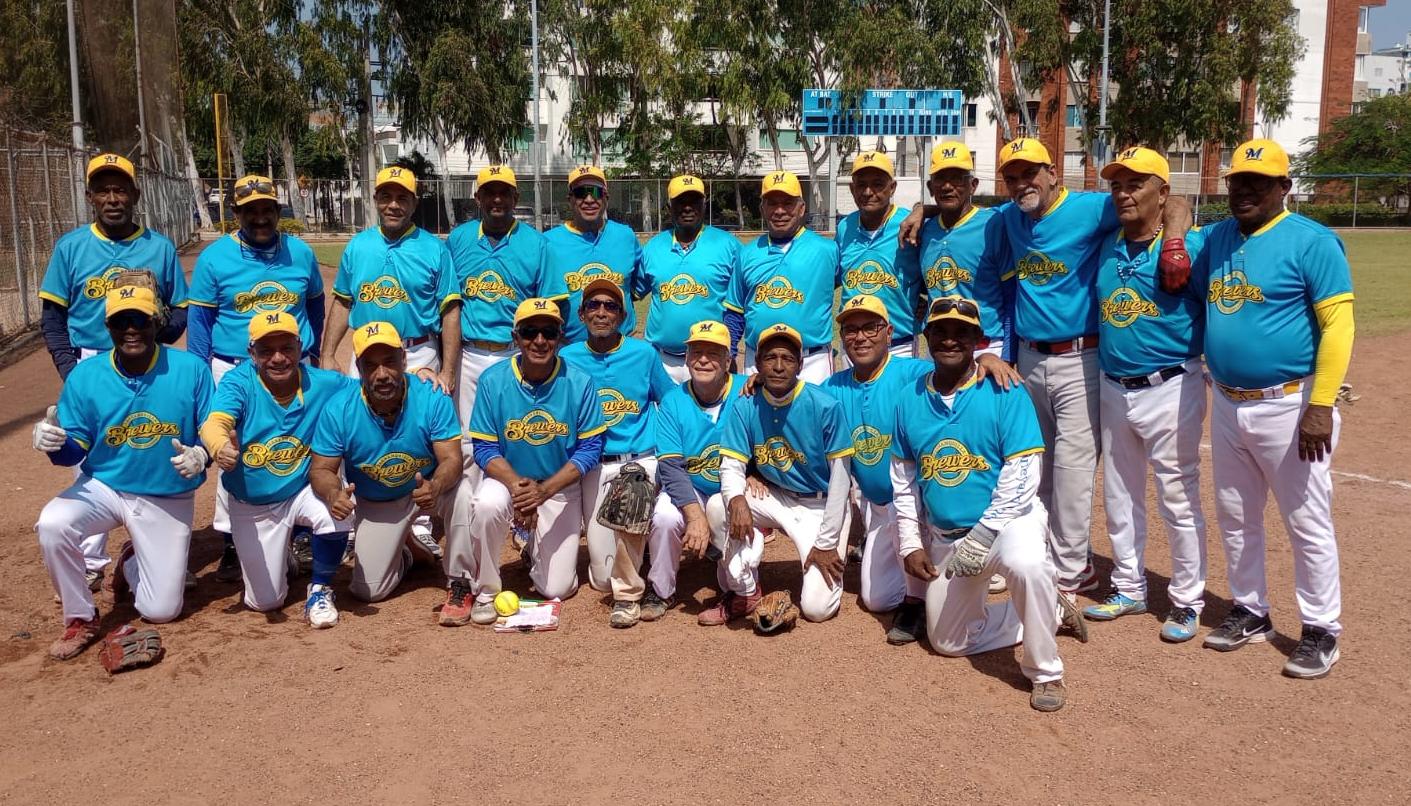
[(328, 555)]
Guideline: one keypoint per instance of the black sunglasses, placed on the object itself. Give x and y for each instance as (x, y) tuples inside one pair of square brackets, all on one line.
[(602, 304), (122, 320), (587, 191), (947, 304), (532, 332), (252, 187)]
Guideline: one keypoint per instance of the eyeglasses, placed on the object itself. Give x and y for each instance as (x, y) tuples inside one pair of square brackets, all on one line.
[(602, 304), (252, 187), (587, 191), (959, 304), (532, 332), (124, 320), (870, 330)]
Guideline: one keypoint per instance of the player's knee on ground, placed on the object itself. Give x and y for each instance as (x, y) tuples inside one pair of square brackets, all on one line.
[(876, 599), (266, 605), (818, 602), (160, 612), (948, 646)]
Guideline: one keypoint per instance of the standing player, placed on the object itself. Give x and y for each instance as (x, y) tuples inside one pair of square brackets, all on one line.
[(129, 421), (796, 436), (966, 460), (1278, 339), (630, 381), (537, 429), (686, 273), (259, 431), (786, 278), (873, 260), (1153, 400), (590, 246)]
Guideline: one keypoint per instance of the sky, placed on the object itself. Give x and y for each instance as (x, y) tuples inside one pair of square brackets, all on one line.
[(1389, 23)]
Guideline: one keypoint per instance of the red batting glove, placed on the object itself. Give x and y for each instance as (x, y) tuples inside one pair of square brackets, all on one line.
[(1174, 265)]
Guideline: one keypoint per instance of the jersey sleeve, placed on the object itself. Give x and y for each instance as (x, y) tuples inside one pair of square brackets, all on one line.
[(315, 276), (231, 396), (668, 434), (637, 286), (735, 437), (58, 276), (661, 383), (837, 442), (995, 258), (74, 416), (1326, 273), (205, 290), (343, 280), (328, 434), (173, 279), (1018, 424), (442, 422), (737, 294), (1107, 215), (1195, 247), (483, 416), (590, 413)]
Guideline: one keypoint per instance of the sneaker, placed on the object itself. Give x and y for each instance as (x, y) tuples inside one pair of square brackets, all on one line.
[(1314, 656), (653, 607), (908, 623), (229, 568), (348, 550), (1070, 617), (78, 636), (320, 610), (121, 589), (1087, 581), (483, 612), (1180, 625), (1116, 606), (423, 544), (729, 607), (1240, 627), (189, 582), (997, 584), (301, 555), (1048, 697), (625, 614), (459, 599)]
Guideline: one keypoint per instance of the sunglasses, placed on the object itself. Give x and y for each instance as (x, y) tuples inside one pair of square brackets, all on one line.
[(252, 187), (947, 304), (532, 332), (124, 320), (602, 305), (587, 191)]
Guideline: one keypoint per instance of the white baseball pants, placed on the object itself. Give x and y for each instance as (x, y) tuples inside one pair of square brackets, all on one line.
[(675, 366), (603, 543), (668, 530), (261, 534), (95, 546), (475, 361), (885, 582), (553, 541)]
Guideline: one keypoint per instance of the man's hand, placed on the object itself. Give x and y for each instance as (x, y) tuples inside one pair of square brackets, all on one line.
[(1315, 433), (910, 233), (755, 487), (919, 565), (989, 365), (1174, 265), (752, 383), (697, 536), (828, 562), (48, 436), (189, 460), (229, 454), (432, 377), (448, 380), (425, 493), (342, 507), (527, 494), (741, 521)]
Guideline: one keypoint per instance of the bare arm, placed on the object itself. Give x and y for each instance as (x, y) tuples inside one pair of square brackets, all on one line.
[(333, 333)]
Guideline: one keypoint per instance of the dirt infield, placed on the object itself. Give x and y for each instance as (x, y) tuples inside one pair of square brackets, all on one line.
[(388, 707)]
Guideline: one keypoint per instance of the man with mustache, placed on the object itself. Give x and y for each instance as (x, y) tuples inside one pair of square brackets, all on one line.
[(588, 246)]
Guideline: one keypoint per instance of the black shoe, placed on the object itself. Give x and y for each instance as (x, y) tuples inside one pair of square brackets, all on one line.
[(908, 624), (1240, 627), (654, 607), (229, 568), (1314, 656), (303, 559)]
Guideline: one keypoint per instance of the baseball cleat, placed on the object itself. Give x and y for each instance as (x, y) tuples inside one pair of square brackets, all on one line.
[(484, 612), (1180, 625), (908, 623), (78, 636), (320, 611), (1240, 627), (301, 559), (1115, 606), (625, 614), (653, 607), (229, 568), (423, 544), (189, 582), (728, 608), (997, 584), (1070, 617), (1314, 656), (121, 588), (459, 601), (1087, 581), (1048, 697)]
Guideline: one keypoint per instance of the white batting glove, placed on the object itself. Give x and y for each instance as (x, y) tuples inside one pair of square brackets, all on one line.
[(190, 460), (48, 436), (969, 557)]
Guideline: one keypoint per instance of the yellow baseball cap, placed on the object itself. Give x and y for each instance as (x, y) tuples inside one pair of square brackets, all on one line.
[(268, 324), (496, 173), (586, 172), (1139, 159), (537, 306), (1025, 149), (131, 298), (781, 182), (709, 332), (397, 176), (110, 162), (780, 331), (375, 333), (865, 303), (874, 159), (951, 154), (959, 308), (602, 284), (1264, 157), (685, 183), (253, 188)]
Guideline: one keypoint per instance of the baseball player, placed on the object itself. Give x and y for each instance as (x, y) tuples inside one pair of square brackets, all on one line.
[(80, 274), (686, 273), (786, 277), (537, 429), (259, 432), (129, 421), (799, 442), (689, 422), (1152, 400), (398, 441), (1278, 338), (966, 454), (250, 273), (587, 246), (630, 381), (873, 260)]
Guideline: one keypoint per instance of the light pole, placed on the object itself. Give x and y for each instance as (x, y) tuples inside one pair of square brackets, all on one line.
[(73, 80), (1102, 150), (534, 138)]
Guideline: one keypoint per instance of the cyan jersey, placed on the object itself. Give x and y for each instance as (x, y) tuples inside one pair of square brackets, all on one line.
[(686, 284), (577, 258), (537, 426), (960, 450), (967, 261), (630, 381), (127, 424), (380, 460), (874, 263), (686, 431), (870, 413), (274, 440), (241, 282), (1260, 291), (408, 282), (1144, 329), (792, 444), (1055, 260), (495, 276), (792, 286), (81, 273)]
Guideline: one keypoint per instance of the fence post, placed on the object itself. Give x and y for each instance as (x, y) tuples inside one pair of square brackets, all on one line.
[(73, 185), (1356, 192), (15, 226), (48, 188)]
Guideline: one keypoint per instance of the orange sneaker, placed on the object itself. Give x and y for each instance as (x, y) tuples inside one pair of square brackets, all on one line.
[(78, 636), (728, 608)]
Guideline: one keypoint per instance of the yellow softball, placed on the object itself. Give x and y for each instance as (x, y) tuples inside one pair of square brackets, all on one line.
[(506, 603)]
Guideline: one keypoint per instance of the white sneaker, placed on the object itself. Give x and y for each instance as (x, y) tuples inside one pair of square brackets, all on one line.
[(483, 612), (423, 542), (319, 609), (997, 584)]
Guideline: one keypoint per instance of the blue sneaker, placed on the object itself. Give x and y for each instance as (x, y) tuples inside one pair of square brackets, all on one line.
[(1180, 625), (1116, 605), (319, 608)]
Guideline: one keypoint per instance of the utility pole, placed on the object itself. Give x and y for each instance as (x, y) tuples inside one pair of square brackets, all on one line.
[(1101, 151), (535, 153), (365, 121)]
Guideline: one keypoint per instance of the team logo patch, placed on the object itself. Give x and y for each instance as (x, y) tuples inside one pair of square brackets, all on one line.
[(1125, 306), (141, 430), (384, 292), (282, 455), (616, 407), (869, 445), (577, 280), (777, 452), (681, 289), (1037, 269), (97, 287), (395, 469), (945, 276), (489, 286), (869, 278), (950, 463), (776, 292), (266, 297), (538, 427), (1230, 294), (706, 464)]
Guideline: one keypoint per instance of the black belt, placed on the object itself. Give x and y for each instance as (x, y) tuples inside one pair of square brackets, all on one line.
[(1148, 381)]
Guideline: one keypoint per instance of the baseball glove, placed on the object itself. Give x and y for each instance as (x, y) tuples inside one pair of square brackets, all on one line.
[(775, 613), (142, 278), (129, 648), (627, 505)]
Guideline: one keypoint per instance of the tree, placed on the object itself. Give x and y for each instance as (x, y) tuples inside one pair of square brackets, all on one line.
[(34, 67), (1374, 140)]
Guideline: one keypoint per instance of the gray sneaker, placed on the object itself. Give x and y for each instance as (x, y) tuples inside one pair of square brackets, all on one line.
[(625, 614), (483, 612), (908, 623), (1049, 696), (1070, 617), (1314, 656), (653, 607), (1240, 627), (423, 544)]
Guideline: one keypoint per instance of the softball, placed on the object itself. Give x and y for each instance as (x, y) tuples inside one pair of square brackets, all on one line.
[(506, 603)]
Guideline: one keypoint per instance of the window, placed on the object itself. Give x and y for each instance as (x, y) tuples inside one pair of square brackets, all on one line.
[(1073, 163), (1377, 72), (789, 140), (970, 116), (390, 152), (1362, 19), (1184, 162), (1359, 70), (1071, 116)]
